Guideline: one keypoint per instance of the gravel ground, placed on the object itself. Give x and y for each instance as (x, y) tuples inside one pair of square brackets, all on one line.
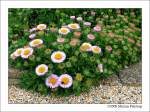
[(98, 95), (115, 90)]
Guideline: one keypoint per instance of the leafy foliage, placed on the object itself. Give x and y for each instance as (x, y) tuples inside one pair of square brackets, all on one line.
[(119, 39)]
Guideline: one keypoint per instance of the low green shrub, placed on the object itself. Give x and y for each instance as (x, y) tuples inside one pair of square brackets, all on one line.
[(66, 51)]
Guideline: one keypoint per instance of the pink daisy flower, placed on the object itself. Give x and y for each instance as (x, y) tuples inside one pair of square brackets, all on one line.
[(108, 48), (32, 36), (72, 17), (93, 13), (61, 40), (87, 23), (97, 28), (74, 42), (65, 81), (90, 36), (77, 34), (131, 40), (52, 81)]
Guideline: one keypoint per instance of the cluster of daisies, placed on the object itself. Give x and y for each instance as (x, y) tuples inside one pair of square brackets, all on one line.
[(64, 80), (88, 47), (53, 81), (78, 53), (28, 50)]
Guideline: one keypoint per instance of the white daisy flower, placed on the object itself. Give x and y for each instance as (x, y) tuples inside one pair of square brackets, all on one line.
[(74, 26), (100, 67), (41, 27), (58, 56), (72, 17), (79, 18), (32, 36), (65, 80), (96, 49), (32, 30), (18, 52), (36, 42), (86, 47), (41, 69), (64, 31), (12, 56), (26, 52)]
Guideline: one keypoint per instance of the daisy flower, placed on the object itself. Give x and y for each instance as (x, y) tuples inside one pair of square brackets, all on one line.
[(86, 47), (60, 40), (74, 26), (74, 42), (65, 80), (32, 30), (36, 42), (131, 40), (53, 29), (64, 31), (97, 28), (72, 17), (77, 34), (32, 36), (41, 27), (100, 67), (87, 23), (90, 36), (18, 52), (93, 13), (26, 52), (96, 49), (79, 18), (12, 56), (108, 48), (52, 81), (58, 56), (41, 69)]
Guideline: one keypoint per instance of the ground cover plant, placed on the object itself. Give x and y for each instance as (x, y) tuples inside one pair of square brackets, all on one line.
[(66, 51)]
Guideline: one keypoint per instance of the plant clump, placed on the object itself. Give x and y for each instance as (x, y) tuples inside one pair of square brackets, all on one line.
[(71, 54)]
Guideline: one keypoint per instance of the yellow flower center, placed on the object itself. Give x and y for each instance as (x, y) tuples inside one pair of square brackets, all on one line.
[(85, 47), (64, 30), (73, 26), (96, 49), (19, 51), (52, 81), (65, 80), (36, 42), (41, 27), (26, 52), (58, 56), (41, 69)]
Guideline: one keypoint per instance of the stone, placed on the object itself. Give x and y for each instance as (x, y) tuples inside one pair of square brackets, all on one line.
[(13, 73), (132, 75)]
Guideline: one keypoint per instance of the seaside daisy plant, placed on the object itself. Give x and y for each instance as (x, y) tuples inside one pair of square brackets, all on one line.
[(67, 51)]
